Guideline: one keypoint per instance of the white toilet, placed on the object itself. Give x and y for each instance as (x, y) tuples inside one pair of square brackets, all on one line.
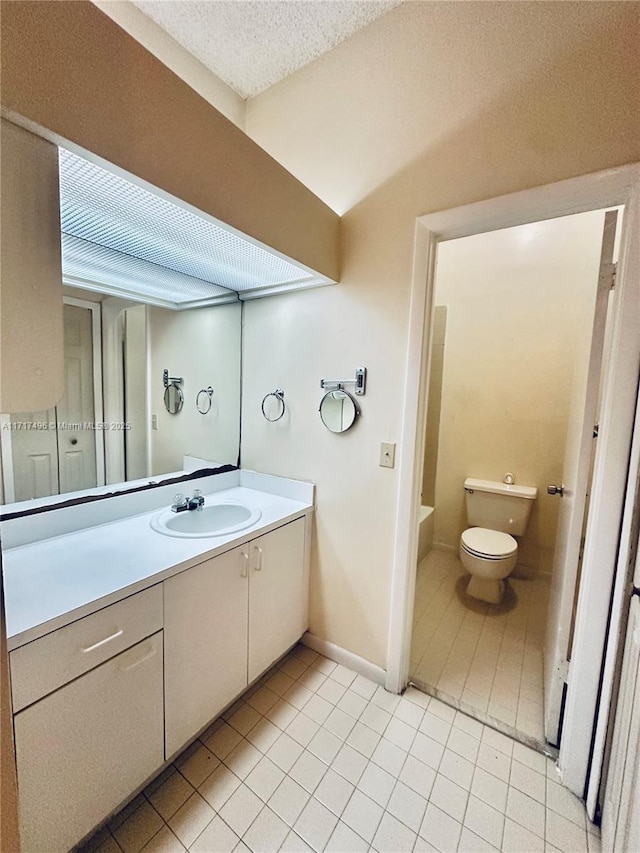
[(488, 550)]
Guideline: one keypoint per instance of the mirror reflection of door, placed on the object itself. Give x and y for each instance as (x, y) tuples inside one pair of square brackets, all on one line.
[(34, 453), (57, 453), (76, 439)]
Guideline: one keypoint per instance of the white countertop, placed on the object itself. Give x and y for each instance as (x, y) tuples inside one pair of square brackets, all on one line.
[(54, 581)]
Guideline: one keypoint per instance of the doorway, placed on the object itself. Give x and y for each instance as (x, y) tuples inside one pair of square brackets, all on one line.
[(594, 616), (511, 336)]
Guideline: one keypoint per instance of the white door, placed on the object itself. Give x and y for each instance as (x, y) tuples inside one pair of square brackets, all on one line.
[(277, 595), (621, 812), (55, 452), (76, 437), (576, 473), (33, 455)]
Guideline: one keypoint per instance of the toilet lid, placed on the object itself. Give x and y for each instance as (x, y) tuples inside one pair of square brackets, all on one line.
[(491, 543)]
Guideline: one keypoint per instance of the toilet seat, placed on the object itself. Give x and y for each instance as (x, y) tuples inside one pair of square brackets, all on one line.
[(488, 544)]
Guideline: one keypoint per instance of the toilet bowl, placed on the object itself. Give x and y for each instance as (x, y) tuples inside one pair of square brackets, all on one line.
[(488, 550), (489, 556)]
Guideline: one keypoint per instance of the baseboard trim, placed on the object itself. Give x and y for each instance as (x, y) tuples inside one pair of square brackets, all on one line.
[(339, 655)]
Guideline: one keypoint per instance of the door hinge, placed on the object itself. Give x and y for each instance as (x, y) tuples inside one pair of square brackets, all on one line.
[(596, 430), (563, 671)]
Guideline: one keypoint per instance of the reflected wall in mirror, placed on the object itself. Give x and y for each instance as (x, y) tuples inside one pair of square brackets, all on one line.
[(338, 410), (112, 425), (173, 399)]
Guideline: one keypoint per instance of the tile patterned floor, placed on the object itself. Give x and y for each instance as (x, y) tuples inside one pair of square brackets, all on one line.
[(485, 659), (317, 758)]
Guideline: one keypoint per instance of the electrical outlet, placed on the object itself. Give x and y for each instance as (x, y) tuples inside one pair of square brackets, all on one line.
[(387, 454), (154, 422)]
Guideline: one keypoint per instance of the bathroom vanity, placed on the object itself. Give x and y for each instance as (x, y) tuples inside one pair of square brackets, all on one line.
[(126, 642)]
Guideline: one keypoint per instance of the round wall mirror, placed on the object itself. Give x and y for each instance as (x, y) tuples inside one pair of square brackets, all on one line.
[(338, 410), (173, 399)]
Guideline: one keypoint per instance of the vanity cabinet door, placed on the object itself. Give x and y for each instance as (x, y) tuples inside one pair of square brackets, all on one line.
[(277, 595), (84, 748), (205, 623)]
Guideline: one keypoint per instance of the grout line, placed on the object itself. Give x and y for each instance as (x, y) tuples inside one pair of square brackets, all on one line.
[(369, 762)]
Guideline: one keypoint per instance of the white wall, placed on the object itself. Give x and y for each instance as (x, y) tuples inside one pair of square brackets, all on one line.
[(519, 320), (203, 347), (135, 336), (433, 106)]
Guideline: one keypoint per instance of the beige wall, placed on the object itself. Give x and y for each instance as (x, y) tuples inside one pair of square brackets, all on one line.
[(203, 347), (175, 57), (433, 106), (520, 314), (96, 87), (31, 357)]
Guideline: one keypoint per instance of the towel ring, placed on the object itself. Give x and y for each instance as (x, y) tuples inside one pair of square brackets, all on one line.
[(206, 402), (279, 395)]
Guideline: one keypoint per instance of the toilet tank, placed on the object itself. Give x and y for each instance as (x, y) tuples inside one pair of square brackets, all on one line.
[(498, 506)]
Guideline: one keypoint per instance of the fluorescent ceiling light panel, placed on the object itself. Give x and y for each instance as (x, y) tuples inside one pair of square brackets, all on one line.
[(100, 208), (93, 267)]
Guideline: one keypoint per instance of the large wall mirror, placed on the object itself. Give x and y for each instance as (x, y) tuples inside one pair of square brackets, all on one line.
[(112, 426), (153, 292), (142, 295)]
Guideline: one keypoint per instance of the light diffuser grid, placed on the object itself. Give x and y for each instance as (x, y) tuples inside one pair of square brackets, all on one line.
[(102, 208), (98, 265)]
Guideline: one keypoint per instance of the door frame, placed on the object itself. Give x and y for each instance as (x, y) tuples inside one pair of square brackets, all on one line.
[(8, 481), (610, 188), (98, 403)]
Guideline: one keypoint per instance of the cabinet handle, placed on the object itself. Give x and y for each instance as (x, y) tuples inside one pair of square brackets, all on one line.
[(245, 565), (136, 663), (102, 642), (258, 565)]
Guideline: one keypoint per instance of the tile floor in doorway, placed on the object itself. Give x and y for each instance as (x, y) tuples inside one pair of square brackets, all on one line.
[(487, 658), (316, 758)]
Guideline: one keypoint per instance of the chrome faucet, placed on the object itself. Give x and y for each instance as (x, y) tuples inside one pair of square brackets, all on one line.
[(182, 503), (197, 501)]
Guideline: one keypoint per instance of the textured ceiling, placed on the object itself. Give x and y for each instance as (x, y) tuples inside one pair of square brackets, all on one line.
[(252, 45)]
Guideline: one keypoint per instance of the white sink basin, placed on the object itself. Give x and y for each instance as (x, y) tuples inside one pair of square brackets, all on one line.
[(215, 519)]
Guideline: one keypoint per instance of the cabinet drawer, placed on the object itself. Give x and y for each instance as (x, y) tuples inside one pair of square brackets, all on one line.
[(42, 666), (85, 748)]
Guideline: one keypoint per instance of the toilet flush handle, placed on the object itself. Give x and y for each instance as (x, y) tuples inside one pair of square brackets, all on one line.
[(555, 490)]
